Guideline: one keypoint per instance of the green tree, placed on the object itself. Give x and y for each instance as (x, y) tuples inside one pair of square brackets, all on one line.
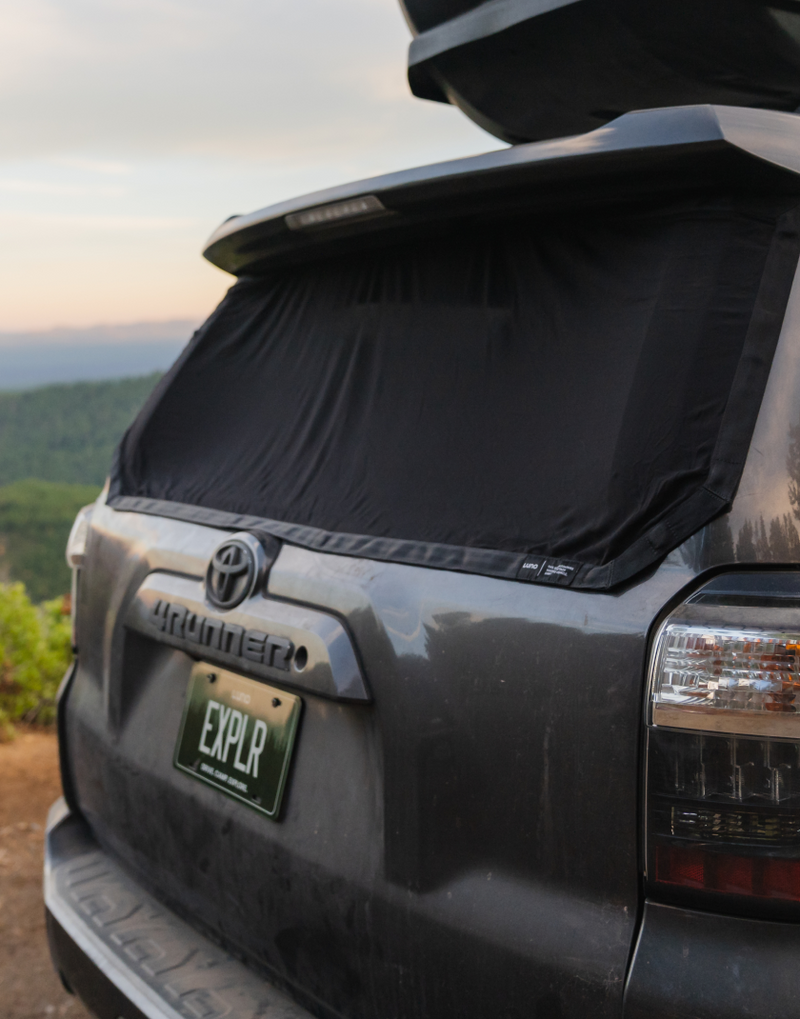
[(762, 542), (793, 468), (720, 540), (792, 539), (778, 541), (745, 546)]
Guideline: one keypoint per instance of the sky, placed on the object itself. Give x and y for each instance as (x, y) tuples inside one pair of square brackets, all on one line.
[(129, 129)]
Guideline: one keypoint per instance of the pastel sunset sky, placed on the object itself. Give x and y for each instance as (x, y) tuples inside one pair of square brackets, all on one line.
[(131, 128)]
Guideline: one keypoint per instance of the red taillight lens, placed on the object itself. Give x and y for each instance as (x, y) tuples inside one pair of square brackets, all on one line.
[(727, 874), (723, 813), (677, 865)]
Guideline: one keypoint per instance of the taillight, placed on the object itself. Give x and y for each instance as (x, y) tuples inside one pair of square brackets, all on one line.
[(75, 553), (723, 749)]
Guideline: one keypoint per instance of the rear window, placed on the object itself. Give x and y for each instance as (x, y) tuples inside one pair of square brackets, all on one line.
[(577, 389)]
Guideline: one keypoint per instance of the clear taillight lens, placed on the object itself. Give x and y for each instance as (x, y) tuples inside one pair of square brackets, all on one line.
[(75, 554), (78, 536), (727, 679), (723, 761)]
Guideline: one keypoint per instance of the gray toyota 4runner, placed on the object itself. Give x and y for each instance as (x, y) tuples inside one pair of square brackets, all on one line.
[(438, 632)]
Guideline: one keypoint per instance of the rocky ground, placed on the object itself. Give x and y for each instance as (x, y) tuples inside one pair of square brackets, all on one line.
[(29, 783)]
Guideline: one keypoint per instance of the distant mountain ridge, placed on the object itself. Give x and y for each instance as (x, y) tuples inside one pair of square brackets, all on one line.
[(97, 352), (128, 332)]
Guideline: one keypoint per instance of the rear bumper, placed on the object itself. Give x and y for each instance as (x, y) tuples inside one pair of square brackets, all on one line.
[(127, 956), (706, 966)]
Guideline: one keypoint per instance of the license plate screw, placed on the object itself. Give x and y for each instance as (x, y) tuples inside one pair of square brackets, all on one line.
[(276, 702), (212, 677)]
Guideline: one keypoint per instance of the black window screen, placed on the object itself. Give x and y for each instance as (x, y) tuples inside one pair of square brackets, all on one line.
[(582, 389)]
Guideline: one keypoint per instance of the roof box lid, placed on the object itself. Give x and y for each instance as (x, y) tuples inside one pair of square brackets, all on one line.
[(526, 70)]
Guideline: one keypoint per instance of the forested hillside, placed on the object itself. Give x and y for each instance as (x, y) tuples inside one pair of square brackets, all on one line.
[(56, 445), (67, 432), (35, 520)]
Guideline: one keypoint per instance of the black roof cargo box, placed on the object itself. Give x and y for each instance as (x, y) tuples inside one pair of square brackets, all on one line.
[(531, 69)]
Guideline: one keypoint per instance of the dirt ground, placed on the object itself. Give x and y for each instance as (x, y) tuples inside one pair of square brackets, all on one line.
[(29, 783)]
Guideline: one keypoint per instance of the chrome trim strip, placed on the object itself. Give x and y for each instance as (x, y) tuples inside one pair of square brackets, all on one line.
[(723, 720)]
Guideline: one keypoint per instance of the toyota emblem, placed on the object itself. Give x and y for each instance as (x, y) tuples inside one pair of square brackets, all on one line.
[(230, 574)]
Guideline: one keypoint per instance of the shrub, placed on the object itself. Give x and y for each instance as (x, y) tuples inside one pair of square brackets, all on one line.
[(34, 654)]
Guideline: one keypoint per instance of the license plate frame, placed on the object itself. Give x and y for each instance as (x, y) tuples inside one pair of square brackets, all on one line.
[(247, 760)]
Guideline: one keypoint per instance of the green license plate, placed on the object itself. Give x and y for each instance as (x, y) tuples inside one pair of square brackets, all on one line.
[(237, 735)]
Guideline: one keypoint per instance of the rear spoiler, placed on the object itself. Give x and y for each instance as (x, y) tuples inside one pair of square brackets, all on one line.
[(646, 153)]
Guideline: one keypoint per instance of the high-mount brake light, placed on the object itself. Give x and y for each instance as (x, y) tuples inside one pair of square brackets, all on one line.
[(328, 215), (723, 755)]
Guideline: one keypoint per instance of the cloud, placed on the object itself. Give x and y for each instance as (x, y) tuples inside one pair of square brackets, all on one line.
[(131, 128), (93, 165), (21, 222), (42, 187), (243, 79)]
